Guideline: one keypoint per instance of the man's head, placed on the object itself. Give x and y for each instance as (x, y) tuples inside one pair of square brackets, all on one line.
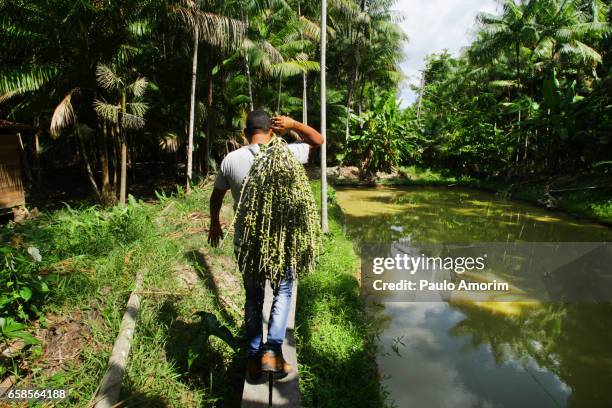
[(258, 121)]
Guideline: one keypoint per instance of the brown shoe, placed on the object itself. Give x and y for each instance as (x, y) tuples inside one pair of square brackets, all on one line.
[(273, 362), (254, 369)]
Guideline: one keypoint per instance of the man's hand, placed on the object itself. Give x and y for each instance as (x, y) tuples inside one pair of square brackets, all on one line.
[(282, 124), (215, 234)]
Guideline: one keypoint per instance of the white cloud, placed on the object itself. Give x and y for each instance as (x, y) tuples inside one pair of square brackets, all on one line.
[(433, 26)]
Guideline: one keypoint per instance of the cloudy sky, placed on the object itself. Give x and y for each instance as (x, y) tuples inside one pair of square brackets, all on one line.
[(435, 25)]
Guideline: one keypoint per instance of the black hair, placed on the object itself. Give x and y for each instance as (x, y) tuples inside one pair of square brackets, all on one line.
[(257, 120)]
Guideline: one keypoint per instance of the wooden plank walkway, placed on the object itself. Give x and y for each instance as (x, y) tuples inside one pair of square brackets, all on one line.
[(285, 392)]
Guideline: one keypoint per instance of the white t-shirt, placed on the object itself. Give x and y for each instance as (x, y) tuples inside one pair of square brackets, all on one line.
[(236, 166)]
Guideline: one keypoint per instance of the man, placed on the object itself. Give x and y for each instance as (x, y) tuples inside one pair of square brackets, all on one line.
[(234, 169)]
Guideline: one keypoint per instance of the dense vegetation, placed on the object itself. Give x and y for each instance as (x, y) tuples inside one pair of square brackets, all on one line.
[(89, 257), (532, 94), (110, 84)]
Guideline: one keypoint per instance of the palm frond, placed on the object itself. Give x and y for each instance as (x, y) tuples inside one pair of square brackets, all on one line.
[(137, 108), (592, 28), (63, 115), (132, 121), (495, 28), (127, 53), (310, 29), (106, 111), (107, 79), (215, 29), (565, 33), (274, 55), (583, 51), (25, 80), (7, 96), (139, 87), (346, 8), (545, 48), (11, 31), (293, 67), (139, 28), (502, 84)]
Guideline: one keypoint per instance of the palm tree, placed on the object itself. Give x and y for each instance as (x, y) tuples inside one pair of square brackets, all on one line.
[(508, 32), (275, 47), (125, 112), (311, 31), (566, 30), (324, 220), (218, 30), (515, 28)]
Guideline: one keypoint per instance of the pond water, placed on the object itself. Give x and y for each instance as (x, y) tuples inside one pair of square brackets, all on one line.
[(443, 354)]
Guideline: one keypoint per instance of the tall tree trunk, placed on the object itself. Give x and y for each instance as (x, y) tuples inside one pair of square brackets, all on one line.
[(324, 221), (123, 186), (280, 91), (194, 77), (247, 65), (421, 91), (346, 124), (90, 174), (116, 158), (37, 133), (351, 91), (305, 99), (209, 117), (107, 196), (249, 81), (304, 77), (518, 81), (353, 81)]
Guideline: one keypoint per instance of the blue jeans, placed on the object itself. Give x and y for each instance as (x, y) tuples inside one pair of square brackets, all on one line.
[(253, 313)]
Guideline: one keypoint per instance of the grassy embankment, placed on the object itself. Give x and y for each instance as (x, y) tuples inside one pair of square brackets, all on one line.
[(90, 259), (335, 340), (584, 195)]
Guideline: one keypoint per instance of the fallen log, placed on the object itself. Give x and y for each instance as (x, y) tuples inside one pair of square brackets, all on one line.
[(110, 387)]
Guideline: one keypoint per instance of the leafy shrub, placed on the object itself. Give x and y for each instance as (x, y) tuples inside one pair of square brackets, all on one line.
[(12, 330), (22, 289), (92, 231), (382, 138)]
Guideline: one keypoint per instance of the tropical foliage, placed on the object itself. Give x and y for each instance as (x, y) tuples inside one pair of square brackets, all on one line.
[(112, 84), (381, 139), (530, 95)]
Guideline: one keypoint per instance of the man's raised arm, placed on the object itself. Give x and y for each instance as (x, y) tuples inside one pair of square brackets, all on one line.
[(282, 124)]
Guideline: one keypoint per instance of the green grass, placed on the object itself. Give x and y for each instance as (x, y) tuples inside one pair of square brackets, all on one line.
[(415, 175), (335, 338), (92, 256), (592, 204)]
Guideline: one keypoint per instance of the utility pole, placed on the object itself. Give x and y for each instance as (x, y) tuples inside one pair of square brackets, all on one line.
[(421, 94), (324, 224)]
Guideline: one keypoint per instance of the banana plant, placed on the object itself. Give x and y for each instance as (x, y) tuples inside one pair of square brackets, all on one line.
[(557, 104)]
